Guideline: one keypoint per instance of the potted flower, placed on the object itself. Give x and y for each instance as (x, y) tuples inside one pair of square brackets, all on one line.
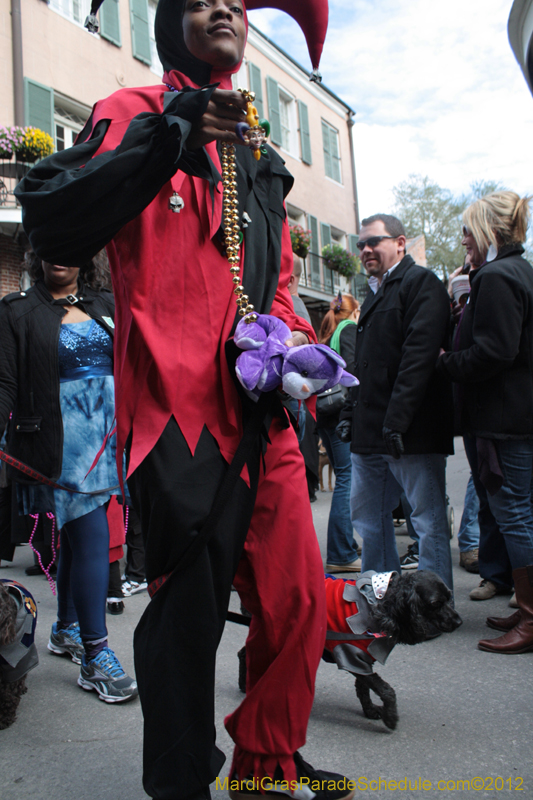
[(341, 260), (301, 240), (33, 144), (6, 143)]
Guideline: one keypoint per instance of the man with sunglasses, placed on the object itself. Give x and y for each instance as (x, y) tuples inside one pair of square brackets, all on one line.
[(399, 419)]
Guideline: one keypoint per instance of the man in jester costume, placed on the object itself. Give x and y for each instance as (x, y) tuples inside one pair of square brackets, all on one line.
[(144, 155)]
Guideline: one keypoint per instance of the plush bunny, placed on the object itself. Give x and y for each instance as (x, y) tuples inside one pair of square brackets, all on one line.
[(267, 362)]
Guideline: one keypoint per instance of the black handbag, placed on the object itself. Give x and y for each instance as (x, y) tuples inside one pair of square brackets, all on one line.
[(331, 401)]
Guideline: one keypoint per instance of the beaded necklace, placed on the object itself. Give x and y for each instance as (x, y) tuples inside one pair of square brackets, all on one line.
[(253, 132)]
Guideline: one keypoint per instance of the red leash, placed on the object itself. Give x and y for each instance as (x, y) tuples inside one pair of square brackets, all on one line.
[(32, 473)]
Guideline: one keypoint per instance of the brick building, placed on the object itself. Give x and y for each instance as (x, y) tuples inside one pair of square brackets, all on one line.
[(52, 71)]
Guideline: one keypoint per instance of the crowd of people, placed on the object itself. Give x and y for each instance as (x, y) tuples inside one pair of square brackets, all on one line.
[(215, 475)]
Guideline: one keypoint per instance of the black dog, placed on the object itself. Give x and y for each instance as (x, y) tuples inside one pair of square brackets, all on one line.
[(379, 610), (18, 654)]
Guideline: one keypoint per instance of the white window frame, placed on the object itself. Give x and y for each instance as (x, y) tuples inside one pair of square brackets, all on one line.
[(156, 65), (241, 79), (65, 8), (289, 123)]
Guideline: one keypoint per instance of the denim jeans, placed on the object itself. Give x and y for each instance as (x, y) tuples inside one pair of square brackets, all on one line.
[(505, 518), (342, 548), (377, 483), (468, 536)]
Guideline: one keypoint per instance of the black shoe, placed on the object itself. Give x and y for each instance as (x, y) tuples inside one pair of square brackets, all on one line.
[(324, 785), (114, 605), (35, 569)]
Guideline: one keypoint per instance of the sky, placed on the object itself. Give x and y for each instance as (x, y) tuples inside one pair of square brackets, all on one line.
[(435, 87)]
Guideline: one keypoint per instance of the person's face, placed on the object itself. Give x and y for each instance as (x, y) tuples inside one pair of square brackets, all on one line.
[(377, 260), (55, 276), (214, 31), (473, 255)]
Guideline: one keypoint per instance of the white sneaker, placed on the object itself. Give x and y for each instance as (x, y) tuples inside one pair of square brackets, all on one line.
[(133, 587)]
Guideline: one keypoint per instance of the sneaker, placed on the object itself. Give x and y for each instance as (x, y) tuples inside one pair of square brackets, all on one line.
[(103, 674), (315, 784), (470, 560), (484, 591), (66, 641), (115, 605), (133, 587), (411, 558), (351, 566)]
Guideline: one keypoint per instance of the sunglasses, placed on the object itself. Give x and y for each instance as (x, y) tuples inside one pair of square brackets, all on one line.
[(372, 241), (466, 232)]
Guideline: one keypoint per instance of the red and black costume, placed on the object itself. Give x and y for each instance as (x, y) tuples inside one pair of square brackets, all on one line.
[(180, 415)]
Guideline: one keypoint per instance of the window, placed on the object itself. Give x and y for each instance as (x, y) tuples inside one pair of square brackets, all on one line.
[(287, 114), (239, 80), (67, 127), (332, 160), (140, 31), (76, 10), (157, 66)]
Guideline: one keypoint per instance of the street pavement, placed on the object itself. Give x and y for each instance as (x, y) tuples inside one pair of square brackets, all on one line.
[(465, 715)]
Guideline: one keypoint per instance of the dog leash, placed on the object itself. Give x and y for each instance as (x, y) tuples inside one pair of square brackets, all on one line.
[(20, 466)]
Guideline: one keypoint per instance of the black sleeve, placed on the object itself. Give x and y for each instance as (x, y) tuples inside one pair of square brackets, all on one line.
[(347, 346), (499, 312), (73, 203), (8, 366)]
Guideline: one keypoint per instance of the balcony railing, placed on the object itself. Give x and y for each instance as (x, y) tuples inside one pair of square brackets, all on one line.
[(11, 172), (315, 275)]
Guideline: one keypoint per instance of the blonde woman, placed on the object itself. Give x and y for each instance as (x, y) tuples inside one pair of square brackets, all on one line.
[(493, 362), (339, 330)]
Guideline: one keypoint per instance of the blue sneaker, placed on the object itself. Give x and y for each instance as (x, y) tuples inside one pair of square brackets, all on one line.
[(104, 675), (66, 641)]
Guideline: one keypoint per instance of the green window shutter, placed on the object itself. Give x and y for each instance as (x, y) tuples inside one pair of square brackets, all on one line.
[(314, 250), (110, 22), (327, 151), (325, 238), (335, 157), (39, 106), (256, 86), (305, 139), (140, 31), (273, 111), (353, 238)]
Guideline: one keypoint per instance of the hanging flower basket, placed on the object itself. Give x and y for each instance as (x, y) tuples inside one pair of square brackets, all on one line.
[(26, 144), (340, 260), (301, 241)]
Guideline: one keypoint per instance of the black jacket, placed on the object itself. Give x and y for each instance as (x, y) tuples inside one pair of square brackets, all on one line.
[(401, 330), (29, 373), (493, 356)]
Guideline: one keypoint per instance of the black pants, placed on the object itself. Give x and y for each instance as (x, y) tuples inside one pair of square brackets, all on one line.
[(177, 637), (135, 548)]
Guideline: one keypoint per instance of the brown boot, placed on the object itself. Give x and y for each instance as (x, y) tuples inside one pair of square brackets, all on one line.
[(504, 623), (520, 638)]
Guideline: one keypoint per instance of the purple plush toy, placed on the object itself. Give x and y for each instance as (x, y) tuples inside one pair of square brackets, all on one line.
[(267, 361)]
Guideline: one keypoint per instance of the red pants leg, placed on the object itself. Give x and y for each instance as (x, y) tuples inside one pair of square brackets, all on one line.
[(280, 580)]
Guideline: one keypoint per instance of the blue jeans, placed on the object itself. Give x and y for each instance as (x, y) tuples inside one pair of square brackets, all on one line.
[(468, 536), (377, 483), (342, 548), (505, 518), (83, 574)]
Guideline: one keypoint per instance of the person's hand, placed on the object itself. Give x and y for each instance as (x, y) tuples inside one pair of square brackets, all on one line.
[(297, 338), (344, 430), (393, 443), (224, 110), (455, 273)]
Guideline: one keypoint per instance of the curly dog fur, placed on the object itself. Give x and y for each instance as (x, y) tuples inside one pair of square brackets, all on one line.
[(417, 606), (10, 693)]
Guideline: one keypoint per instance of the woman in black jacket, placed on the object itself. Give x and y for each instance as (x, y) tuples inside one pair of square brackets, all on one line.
[(56, 384), (492, 362), (338, 330)]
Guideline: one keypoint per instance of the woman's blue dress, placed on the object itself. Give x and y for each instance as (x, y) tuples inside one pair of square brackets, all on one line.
[(88, 409)]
